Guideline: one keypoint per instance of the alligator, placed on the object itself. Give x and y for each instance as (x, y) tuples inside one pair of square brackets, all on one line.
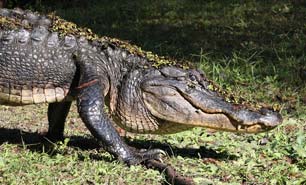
[(45, 59)]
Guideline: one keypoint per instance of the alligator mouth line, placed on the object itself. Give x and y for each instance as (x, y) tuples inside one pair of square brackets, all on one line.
[(231, 113), (224, 122)]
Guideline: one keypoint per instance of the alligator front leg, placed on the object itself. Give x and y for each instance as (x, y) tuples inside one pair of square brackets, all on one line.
[(90, 102), (57, 114)]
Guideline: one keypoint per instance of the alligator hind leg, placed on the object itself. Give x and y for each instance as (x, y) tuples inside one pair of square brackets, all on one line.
[(57, 113)]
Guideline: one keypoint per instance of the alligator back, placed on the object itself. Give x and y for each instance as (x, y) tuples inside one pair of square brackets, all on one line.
[(36, 65)]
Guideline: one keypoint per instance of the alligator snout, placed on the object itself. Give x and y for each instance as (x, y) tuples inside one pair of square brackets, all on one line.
[(239, 120), (271, 119), (265, 118)]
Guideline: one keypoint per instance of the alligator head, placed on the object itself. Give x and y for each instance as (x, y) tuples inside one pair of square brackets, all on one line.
[(171, 99)]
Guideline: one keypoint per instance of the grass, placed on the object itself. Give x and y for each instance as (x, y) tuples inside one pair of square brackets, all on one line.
[(254, 49)]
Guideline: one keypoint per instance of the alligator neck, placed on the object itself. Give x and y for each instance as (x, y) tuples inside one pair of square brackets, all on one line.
[(117, 63)]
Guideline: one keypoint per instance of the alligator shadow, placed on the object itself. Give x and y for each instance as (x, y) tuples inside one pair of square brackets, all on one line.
[(37, 143), (200, 152)]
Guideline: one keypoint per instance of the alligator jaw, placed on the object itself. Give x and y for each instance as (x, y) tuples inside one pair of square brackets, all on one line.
[(220, 121), (182, 101)]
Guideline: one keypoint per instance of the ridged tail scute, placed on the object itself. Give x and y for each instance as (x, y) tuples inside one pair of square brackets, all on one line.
[(18, 18)]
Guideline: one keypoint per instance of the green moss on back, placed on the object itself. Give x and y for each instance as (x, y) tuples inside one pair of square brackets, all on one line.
[(64, 27), (7, 23)]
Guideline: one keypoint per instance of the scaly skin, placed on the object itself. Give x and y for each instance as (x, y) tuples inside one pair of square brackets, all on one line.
[(47, 60)]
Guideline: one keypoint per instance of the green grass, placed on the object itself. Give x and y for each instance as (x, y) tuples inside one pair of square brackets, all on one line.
[(253, 49)]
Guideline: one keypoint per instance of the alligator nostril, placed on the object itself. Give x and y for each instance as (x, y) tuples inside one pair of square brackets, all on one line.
[(265, 111), (272, 119)]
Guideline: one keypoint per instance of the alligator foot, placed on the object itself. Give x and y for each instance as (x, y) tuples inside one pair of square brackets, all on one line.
[(142, 156)]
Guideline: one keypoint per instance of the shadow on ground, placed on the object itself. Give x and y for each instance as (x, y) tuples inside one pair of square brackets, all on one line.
[(37, 143)]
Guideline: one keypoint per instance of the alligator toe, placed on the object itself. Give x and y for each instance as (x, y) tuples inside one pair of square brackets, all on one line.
[(144, 155)]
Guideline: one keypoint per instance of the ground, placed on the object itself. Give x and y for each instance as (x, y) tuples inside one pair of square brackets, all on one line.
[(255, 50)]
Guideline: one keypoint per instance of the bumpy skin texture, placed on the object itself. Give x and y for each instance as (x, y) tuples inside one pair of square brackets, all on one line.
[(39, 65)]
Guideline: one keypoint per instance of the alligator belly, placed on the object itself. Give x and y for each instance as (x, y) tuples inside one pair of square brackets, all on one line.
[(33, 96)]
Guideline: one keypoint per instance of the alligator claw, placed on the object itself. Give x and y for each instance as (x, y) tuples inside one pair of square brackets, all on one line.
[(144, 155), (156, 154)]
